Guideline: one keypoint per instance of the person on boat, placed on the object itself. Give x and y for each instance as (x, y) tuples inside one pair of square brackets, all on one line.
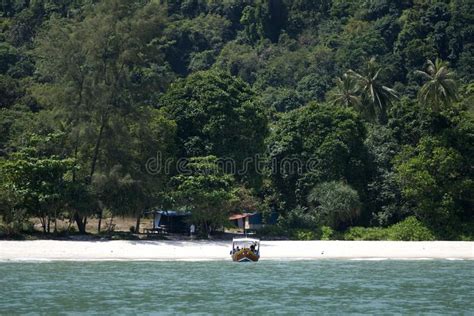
[(252, 248)]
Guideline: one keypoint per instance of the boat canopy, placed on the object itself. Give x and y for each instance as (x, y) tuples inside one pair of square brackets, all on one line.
[(245, 240)]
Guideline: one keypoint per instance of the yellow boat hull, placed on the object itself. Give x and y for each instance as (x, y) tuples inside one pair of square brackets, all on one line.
[(245, 255)]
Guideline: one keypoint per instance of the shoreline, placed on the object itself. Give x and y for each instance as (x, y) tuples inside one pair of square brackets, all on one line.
[(121, 250)]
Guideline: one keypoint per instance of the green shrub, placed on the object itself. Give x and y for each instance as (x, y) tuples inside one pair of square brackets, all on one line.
[(300, 218), (304, 234), (337, 203), (28, 227), (465, 232), (456, 230), (272, 231), (466, 236), (366, 233), (326, 233), (410, 229), (12, 231)]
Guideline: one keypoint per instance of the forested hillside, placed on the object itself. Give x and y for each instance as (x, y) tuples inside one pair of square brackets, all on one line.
[(333, 114)]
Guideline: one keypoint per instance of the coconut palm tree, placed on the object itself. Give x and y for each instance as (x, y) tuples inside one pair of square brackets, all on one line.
[(440, 87), (346, 93), (373, 91)]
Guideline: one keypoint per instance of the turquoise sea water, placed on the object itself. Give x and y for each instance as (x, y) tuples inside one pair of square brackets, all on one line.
[(216, 287)]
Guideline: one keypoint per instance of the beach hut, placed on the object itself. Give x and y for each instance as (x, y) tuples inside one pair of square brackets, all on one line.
[(171, 221), (247, 221)]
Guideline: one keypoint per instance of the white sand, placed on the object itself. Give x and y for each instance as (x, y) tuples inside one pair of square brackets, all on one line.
[(219, 250)]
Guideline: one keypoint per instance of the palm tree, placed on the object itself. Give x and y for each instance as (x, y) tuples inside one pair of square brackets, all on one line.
[(373, 91), (440, 87), (346, 93)]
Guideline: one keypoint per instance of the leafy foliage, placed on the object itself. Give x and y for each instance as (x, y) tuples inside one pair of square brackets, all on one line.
[(366, 233), (433, 176), (207, 192), (302, 234), (34, 184), (410, 229), (217, 114), (336, 203), (314, 144)]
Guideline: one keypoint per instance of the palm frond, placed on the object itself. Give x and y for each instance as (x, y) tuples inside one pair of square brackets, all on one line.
[(393, 93), (423, 74)]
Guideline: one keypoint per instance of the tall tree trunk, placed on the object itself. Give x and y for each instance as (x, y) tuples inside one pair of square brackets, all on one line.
[(109, 229), (43, 223), (100, 222), (75, 162), (80, 221), (206, 229), (97, 147), (76, 216), (137, 226)]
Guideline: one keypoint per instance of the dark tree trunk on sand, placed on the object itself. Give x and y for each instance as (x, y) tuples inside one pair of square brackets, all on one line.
[(137, 226), (110, 228), (43, 223), (100, 222), (81, 223), (207, 230)]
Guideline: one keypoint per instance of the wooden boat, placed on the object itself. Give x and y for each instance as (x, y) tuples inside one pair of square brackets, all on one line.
[(245, 249)]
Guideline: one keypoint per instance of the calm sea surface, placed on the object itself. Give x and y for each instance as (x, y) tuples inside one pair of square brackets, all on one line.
[(266, 287)]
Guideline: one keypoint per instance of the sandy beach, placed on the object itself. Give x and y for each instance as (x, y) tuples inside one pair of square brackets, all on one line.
[(219, 250)]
